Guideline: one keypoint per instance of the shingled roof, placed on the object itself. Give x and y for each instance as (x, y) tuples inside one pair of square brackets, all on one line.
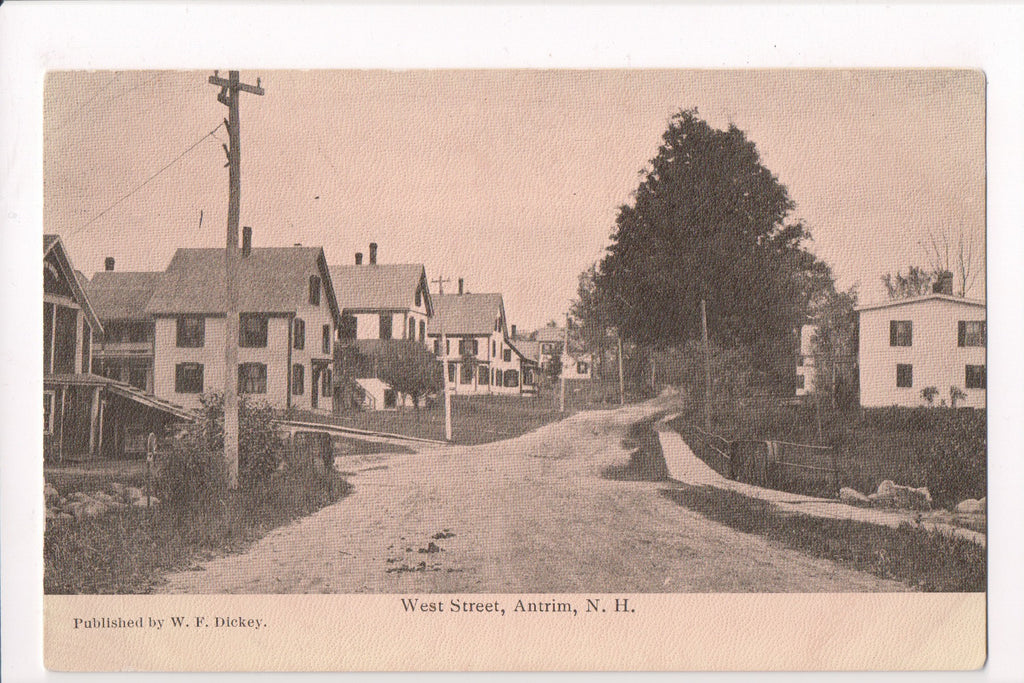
[(386, 286), (122, 295), (466, 313), (271, 280)]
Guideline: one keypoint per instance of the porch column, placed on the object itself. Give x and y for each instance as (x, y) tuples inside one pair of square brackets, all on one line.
[(94, 420)]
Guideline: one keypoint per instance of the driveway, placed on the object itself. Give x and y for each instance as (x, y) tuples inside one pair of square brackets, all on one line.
[(529, 515)]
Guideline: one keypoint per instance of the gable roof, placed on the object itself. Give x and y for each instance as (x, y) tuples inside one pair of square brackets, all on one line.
[(527, 349), (551, 334), (379, 286), (122, 295), (53, 244), (921, 299), (466, 314), (271, 280)]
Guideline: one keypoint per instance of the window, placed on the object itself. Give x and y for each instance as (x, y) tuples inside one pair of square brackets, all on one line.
[(385, 326), (252, 330), (390, 398), (49, 402), (419, 297), (547, 348), (412, 329), (299, 334), (974, 376), (511, 378), (904, 375), (447, 347), (466, 375), (252, 378), (800, 381), (494, 349), (901, 333), (188, 378), (496, 379), (451, 373), (86, 352), (484, 376), (314, 290), (468, 347), (437, 347), (506, 355), (327, 386), (298, 380), (325, 341), (349, 326), (423, 331), (582, 368), (971, 333), (799, 361), (191, 331)]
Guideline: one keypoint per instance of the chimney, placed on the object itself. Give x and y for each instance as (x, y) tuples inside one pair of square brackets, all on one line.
[(513, 331), (246, 240), (108, 263), (373, 253), (943, 283), (359, 258), (461, 283)]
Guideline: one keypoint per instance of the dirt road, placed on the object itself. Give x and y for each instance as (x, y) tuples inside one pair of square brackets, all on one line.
[(530, 515)]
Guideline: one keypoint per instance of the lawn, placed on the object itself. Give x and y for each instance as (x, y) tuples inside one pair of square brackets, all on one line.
[(475, 419), (941, 448)]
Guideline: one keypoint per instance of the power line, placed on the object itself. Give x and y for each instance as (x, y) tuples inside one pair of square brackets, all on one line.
[(145, 182), (89, 101)]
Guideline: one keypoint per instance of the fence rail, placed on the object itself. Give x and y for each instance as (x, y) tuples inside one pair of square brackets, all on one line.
[(782, 465)]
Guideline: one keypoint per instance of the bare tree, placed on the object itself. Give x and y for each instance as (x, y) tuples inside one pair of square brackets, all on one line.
[(953, 251)]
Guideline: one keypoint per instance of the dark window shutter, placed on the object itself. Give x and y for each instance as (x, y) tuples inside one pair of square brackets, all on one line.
[(892, 333), (961, 333)]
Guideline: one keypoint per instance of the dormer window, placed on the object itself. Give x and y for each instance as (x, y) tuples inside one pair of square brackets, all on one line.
[(314, 290)]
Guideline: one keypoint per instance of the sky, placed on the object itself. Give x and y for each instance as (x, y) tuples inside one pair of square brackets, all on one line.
[(508, 179)]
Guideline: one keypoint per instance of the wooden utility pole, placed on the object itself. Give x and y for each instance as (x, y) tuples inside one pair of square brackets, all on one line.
[(707, 365), (561, 374), (228, 96), (444, 363)]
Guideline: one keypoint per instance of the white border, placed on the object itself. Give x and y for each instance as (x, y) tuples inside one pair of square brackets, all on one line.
[(37, 37)]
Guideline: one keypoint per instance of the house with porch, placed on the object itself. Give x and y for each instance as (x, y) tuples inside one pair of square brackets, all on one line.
[(288, 321), (86, 415), (381, 304), (481, 356), (576, 365), (934, 341)]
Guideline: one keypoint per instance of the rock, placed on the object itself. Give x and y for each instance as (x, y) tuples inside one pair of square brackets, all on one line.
[(116, 489), (50, 513), (940, 517), (969, 507), (102, 496), (141, 502), (983, 502), (79, 497), (50, 493), (908, 498), (90, 510), (853, 497), (886, 489), (64, 515), (133, 493)]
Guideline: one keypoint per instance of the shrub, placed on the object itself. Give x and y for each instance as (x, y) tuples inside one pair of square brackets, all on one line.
[(954, 462)]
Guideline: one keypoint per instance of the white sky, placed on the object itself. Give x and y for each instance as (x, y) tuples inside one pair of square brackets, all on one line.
[(510, 179)]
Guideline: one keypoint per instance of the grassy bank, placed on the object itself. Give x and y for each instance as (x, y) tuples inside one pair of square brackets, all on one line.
[(925, 561), (941, 448)]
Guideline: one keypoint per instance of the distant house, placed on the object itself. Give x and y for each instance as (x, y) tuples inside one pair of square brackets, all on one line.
[(906, 345), (288, 317), (379, 303), (805, 372), (576, 365), (86, 415), (481, 357), (125, 349)]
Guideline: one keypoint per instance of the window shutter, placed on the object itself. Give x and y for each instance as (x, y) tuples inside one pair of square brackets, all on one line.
[(961, 333), (892, 333)]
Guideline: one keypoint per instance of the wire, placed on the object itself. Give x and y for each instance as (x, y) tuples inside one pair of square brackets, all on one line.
[(89, 101), (145, 182)]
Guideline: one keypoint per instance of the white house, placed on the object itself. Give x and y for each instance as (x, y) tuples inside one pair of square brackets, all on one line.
[(805, 372), (288, 317), (481, 357), (576, 365), (908, 345)]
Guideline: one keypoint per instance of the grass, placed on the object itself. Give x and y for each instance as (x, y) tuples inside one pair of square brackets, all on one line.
[(475, 419), (940, 448), (925, 561), (126, 551), (89, 476), (343, 446)]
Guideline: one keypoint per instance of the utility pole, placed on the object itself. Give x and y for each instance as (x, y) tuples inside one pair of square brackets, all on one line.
[(565, 358), (444, 363), (707, 365), (228, 96)]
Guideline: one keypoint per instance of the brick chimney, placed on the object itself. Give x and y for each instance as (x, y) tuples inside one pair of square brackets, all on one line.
[(461, 284), (108, 263), (373, 253), (513, 331), (359, 258), (246, 240), (943, 283)]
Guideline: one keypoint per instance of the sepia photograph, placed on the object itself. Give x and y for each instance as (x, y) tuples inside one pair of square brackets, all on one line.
[(521, 339), (514, 331)]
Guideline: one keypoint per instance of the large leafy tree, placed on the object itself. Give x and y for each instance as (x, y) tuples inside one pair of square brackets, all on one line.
[(709, 220)]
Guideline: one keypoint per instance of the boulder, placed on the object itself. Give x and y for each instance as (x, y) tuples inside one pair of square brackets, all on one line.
[(969, 507), (51, 513), (886, 489), (908, 498), (141, 502), (133, 493), (50, 493), (116, 489), (102, 496), (91, 509), (983, 502), (853, 497), (79, 497)]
